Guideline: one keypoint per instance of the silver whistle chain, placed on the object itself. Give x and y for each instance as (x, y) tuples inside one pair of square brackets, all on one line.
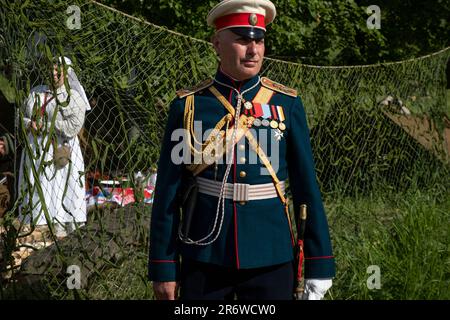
[(221, 202)]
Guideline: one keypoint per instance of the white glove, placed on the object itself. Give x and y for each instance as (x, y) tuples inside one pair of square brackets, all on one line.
[(315, 289)]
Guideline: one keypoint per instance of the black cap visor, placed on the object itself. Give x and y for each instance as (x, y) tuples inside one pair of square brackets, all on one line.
[(249, 32)]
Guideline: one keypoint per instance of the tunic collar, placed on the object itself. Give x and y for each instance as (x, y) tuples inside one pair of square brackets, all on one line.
[(239, 85)]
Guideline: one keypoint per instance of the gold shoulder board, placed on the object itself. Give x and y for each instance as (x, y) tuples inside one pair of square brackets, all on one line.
[(202, 85), (275, 86)]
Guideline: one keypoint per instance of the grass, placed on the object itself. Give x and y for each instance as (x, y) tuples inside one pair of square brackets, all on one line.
[(406, 235), (127, 282)]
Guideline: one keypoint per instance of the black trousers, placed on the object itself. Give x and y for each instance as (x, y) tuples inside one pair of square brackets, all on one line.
[(204, 281)]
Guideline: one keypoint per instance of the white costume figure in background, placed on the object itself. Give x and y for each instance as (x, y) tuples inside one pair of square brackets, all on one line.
[(63, 190)]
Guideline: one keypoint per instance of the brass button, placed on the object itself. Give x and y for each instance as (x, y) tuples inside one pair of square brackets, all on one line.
[(241, 147), (242, 203), (242, 159), (242, 174)]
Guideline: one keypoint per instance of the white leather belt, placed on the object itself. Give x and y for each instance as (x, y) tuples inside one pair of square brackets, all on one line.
[(239, 191)]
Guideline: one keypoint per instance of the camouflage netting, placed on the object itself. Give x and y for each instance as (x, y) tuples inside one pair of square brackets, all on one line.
[(374, 128)]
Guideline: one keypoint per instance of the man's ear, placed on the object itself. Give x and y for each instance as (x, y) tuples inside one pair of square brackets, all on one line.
[(216, 42)]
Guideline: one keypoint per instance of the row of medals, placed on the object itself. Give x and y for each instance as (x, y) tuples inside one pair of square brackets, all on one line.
[(264, 122)]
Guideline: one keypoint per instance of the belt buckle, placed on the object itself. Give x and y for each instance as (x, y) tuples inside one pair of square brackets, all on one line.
[(240, 192)]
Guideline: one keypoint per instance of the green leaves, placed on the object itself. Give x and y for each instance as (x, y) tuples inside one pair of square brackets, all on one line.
[(321, 32), (6, 89)]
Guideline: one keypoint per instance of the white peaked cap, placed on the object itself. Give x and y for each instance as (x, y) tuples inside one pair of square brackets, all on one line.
[(236, 11)]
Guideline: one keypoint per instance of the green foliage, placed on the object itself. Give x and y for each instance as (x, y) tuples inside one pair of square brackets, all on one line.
[(321, 32), (6, 89), (413, 28)]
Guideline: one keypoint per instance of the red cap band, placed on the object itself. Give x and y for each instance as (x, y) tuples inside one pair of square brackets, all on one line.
[(240, 20)]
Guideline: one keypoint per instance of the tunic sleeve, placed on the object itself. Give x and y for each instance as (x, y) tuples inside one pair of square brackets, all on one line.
[(164, 251), (319, 260)]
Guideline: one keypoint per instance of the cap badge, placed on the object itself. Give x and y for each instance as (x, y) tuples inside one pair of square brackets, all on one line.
[(253, 19)]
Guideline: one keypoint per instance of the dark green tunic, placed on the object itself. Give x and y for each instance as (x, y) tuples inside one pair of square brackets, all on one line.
[(254, 234)]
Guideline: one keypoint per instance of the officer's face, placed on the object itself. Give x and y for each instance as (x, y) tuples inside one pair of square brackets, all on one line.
[(240, 57)]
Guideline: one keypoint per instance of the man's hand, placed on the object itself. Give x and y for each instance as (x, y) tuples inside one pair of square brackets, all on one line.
[(165, 290), (315, 289)]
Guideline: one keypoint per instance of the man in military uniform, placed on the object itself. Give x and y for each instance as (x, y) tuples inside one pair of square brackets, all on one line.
[(238, 239)]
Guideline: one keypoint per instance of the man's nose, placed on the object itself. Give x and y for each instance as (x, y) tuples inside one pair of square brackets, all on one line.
[(251, 48)]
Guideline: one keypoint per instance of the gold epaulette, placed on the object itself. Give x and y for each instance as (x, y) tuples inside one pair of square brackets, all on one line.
[(275, 86), (202, 85)]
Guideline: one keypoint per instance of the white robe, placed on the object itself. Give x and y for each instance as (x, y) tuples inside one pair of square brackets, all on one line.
[(63, 190)]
